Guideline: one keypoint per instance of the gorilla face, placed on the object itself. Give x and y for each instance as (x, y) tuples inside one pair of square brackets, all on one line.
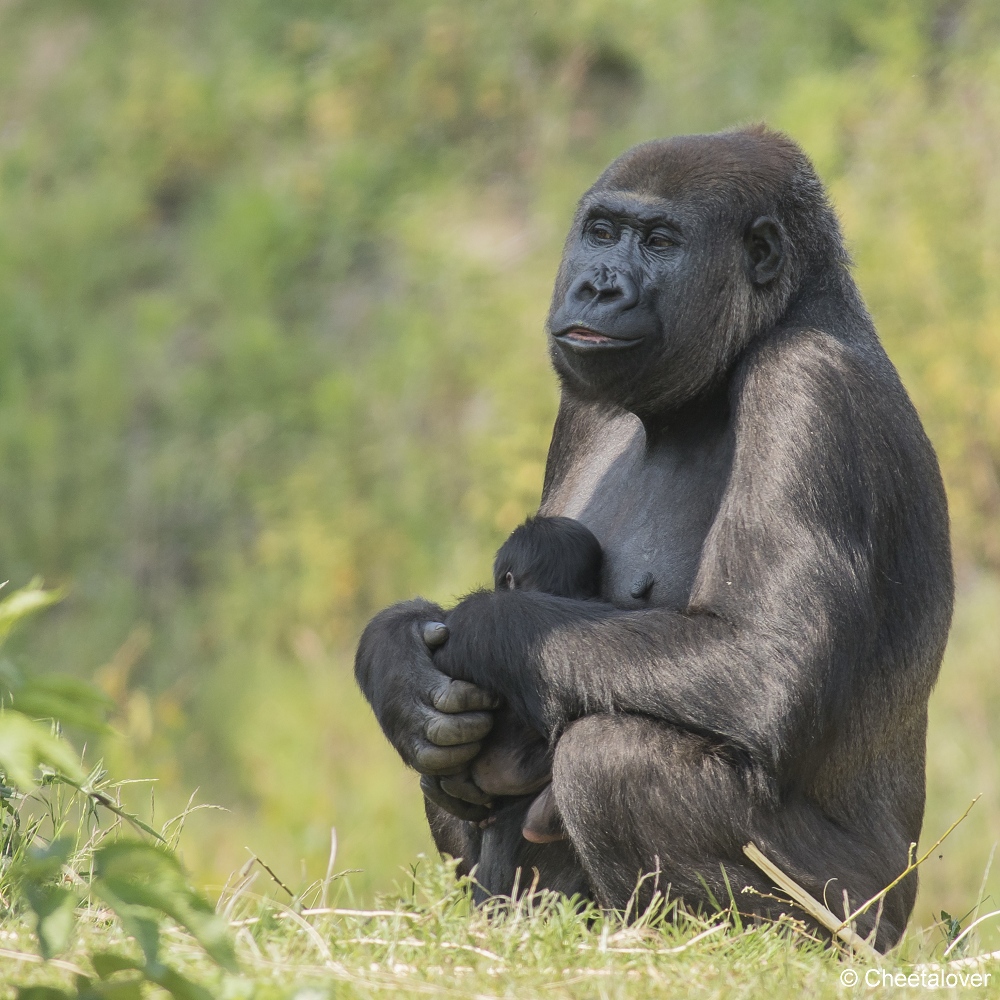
[(657, 292), (625, 261)]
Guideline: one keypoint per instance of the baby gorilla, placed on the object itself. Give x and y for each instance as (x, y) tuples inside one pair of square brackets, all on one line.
[(555, 555)]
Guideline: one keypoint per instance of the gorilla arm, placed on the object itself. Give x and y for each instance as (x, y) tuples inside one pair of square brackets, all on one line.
[(555, 660), (785, 606)]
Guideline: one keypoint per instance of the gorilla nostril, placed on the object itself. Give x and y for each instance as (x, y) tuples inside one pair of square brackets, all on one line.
[(607, 286), (602, 287)]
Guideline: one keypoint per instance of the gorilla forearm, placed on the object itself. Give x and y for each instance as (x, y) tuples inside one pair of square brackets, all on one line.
[(556, 660)]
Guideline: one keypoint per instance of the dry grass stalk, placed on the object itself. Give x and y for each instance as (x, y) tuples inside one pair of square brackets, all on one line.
[(911, 867), (813, 907)]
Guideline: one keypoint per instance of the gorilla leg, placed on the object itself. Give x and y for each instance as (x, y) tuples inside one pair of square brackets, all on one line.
[(500, 859), (507, 860), (453, 836), (639, 797)]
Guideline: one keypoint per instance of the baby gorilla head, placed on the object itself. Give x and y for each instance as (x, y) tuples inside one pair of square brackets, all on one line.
[(555, 555)]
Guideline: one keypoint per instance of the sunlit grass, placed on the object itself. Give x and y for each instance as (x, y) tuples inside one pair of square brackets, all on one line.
[(427, 940)]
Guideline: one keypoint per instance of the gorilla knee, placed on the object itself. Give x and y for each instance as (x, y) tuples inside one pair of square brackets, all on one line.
[(586, 762), (616, 779), (651, 791)]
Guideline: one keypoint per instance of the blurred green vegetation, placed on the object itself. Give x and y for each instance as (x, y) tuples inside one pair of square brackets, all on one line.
[(272, 285)]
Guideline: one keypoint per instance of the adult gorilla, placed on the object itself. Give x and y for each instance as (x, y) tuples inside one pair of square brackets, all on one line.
[(776, 590)]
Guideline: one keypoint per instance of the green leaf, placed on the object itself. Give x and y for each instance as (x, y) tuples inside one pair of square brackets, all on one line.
[(55, 913), (119, 989), (43, 993), (107, 963), (25, 744), (141, 922), (177, 985), (141, 875), (38, 876), (66, 699), (25, 602)]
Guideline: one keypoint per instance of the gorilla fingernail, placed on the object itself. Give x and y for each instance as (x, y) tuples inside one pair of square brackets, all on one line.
[(435, 634)]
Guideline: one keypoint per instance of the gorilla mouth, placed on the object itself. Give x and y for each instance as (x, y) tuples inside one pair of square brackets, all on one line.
[(582, 338)]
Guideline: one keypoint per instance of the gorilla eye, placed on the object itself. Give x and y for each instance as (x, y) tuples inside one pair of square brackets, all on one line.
[(601, 231), (660, 241)]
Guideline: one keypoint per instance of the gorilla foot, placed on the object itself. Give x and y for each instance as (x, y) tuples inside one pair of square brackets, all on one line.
[(543, 824)]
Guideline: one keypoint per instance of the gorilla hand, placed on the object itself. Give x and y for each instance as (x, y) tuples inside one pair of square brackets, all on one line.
[(459, 796), (434, 722)]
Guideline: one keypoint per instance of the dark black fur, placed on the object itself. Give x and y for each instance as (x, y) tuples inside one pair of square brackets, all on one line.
[(732, 431), (555, 555)]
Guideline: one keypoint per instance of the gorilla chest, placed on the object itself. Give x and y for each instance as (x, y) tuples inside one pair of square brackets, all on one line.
[(651, 510)]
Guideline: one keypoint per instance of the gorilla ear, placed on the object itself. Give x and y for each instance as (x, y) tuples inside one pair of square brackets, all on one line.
[(764, 242)]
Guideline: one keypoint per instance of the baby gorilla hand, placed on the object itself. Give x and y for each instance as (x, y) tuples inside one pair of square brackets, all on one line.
[(468, 802)]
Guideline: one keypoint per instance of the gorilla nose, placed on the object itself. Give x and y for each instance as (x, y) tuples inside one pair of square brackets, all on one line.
[(604, 286)]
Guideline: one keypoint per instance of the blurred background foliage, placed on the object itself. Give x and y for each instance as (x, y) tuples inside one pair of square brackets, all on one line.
[(272, 285)]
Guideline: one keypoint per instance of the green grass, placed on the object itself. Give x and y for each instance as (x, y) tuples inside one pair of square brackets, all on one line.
[(427, 941)]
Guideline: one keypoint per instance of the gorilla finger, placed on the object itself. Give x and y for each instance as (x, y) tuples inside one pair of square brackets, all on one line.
[(461, 696), (463, 787), (430, 759), (452, 730), (434, 634), (463, 810)]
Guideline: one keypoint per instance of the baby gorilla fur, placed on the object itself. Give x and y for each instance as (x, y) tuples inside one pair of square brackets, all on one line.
[(553, 555)]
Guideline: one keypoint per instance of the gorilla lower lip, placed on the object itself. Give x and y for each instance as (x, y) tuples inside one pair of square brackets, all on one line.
[(579, 336)]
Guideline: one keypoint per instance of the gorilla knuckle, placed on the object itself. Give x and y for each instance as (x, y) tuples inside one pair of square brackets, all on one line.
[(435, 760), (453, 730), (463, 787), (434, 634), (453, 697)]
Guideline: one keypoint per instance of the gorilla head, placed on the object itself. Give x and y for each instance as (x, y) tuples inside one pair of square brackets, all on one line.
[(678, 256)]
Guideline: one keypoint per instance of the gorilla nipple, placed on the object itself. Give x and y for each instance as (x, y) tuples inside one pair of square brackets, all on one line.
[(642, 586)]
